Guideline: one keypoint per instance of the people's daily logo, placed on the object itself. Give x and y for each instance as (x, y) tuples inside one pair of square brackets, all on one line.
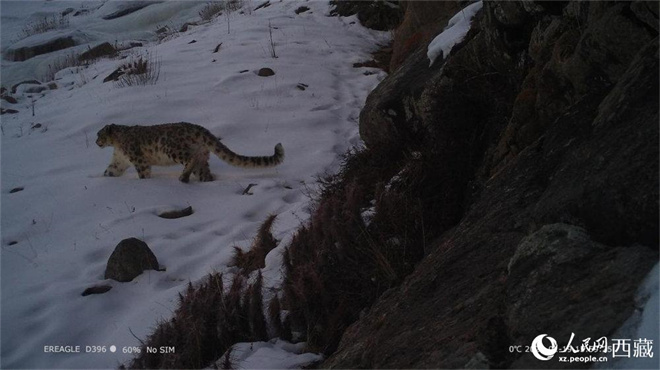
[(540, 350)]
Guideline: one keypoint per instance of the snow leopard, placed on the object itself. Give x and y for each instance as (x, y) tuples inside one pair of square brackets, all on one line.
[(170, 144)]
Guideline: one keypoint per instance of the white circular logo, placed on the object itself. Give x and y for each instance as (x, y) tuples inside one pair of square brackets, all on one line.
[(540, 351)]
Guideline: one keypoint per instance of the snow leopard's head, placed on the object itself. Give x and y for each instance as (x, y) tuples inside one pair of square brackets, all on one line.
[(105, 135)]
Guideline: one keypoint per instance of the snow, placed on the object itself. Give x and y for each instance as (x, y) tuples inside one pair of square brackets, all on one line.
[(276, 354), (367, 214), (89, 29), (457, 27), (69, 218), (642, 324)]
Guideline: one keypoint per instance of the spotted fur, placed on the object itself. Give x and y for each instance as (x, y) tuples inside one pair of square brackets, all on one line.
[(169, 144)]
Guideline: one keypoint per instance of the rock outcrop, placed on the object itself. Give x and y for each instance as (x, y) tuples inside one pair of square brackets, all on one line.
[(544, 124), (130, 258), (45, 43), (377, 15), (102, 50)]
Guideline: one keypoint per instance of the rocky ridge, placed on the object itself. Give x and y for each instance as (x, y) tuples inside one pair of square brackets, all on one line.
[(543, 124)]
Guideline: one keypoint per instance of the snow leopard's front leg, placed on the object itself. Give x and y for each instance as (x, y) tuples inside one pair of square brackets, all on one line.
[(117, 166)]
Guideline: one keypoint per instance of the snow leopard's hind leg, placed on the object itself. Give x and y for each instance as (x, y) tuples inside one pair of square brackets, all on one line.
[(203, 172), (197, 164)]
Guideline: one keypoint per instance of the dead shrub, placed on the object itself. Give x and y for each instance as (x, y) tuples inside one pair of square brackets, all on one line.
[(335, 266), (139, 71), (263, 243), (340, 263), (280, 330), (211, 9), (208, 321), (66, 60), (43, 25), (254, 304)]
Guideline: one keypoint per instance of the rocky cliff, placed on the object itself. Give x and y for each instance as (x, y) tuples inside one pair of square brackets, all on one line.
[(541, 130)]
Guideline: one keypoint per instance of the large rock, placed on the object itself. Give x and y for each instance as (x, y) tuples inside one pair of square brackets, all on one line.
[(126, 8), (130, 258), (45, 43), (102, 50), (22, 53), (559, 271)]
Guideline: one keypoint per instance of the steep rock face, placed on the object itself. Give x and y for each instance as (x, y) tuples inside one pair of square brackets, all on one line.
[(545, 121), (422, 21)]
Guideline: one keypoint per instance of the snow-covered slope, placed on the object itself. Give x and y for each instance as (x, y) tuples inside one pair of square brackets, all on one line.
[(58, 233), (89, 28)]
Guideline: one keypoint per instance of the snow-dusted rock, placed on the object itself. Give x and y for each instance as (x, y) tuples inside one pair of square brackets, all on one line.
[(130, 258)]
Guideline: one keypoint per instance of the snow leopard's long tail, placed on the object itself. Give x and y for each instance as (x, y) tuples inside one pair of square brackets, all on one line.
[(238, 160)]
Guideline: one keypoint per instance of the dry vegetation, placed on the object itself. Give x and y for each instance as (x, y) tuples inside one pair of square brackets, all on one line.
[(335, 267), (65, 61), (45, 24), (211, 318), (214, 8), (211, 9), (139, 71), (263, 243)]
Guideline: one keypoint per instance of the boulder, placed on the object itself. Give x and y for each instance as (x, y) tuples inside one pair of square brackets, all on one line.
[(130, 258), (44, 43), (128, 8), (98, 289), (19, 53), (9, 99), (35, 89), (176, 213), (265, 72), (14, 87), (102, 50), (558, 271)]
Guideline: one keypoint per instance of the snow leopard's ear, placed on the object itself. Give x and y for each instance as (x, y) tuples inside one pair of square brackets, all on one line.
[(110, 128)]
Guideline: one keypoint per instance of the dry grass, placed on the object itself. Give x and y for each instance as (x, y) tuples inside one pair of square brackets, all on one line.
[(263, 243), (338, 264), (211, 318), (280, 328), (43, 25), (139, 71), (213, 8), (65, 61), (207, 323)]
